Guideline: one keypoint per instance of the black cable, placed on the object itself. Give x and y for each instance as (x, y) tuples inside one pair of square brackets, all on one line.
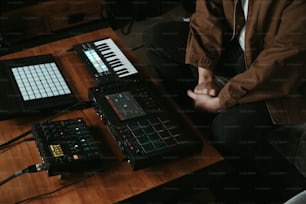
[(30, 169), (48, 193), (22, 135), (56, 190), (77, 106), (10, 178), (136, 48), (9, 146)]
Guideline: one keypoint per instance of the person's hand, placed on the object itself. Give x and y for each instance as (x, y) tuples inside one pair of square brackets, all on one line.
[(205, 102), (206, 88), (205, 83)]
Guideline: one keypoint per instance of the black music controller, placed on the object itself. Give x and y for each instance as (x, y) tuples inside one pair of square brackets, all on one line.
[(106, 61), (146, 128), (67, 146)]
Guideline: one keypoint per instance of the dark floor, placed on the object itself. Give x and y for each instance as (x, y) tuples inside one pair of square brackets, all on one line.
[(218, 184)]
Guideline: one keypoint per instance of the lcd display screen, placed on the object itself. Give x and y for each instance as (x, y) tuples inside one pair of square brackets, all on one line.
[(124, 105)]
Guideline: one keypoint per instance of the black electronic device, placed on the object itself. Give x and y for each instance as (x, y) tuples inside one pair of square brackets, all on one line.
[(146, 127), (33, 84), (105, 61), (67, 146)]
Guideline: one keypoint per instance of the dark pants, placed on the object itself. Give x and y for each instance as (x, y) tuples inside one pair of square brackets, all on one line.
[(235, 131)]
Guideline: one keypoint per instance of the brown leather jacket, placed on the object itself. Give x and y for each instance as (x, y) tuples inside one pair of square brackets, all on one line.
[(275, 53)]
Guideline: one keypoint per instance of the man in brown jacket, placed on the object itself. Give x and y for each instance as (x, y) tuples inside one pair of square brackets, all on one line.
[(272, 36), (249, 59)]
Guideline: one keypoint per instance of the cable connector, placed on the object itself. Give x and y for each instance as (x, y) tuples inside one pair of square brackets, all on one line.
[(30, 169), (35, 168)]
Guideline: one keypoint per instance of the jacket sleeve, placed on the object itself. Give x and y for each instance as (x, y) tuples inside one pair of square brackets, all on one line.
[(205, 39), (279, 69)]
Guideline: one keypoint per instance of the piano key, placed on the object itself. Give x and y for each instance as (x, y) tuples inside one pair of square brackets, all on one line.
[(103, 49), (120, 70), (117, 59), (111, 58), (113, 61), (110, 54), (122, 73), (117, 63), (117, 66), (100, 42)]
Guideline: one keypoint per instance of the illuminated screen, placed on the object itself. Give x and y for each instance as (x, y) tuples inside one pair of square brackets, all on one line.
[(96, 61), (124, 105)]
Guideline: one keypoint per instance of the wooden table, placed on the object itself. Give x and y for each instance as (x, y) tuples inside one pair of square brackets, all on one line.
[(118, 181)]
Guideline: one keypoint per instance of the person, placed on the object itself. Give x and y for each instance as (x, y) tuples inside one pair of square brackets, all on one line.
[(299, 198), (242, 60)]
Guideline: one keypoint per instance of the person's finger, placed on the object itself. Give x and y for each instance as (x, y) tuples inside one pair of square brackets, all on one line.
[(212, 92), (199, 90), (191, 94), (205, 91)]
